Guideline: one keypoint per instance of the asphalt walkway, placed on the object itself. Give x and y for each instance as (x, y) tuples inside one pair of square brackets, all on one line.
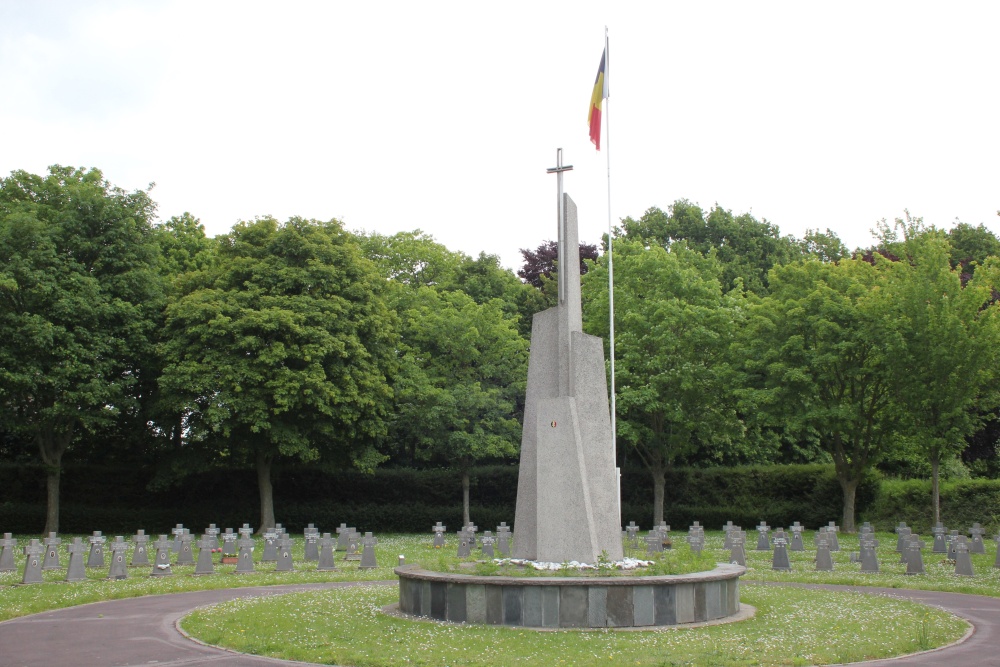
[(142, 631)]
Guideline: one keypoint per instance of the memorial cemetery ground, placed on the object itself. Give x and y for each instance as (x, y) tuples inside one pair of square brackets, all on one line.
[(791, 626)]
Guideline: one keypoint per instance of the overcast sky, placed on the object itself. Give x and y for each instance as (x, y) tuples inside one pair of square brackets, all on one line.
[(444, 116)]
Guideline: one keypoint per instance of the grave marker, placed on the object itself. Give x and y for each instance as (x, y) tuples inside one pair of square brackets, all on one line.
[(779, 561), (161, 566), (696, 537), (952, 537), (824, 561), (177, 531), (229, 542), (368, 560), (326, 544), (976, 546), (869, 560), (96, 557), (831, 535), (487, 542), (464, 543), (632, 535), (654, 543), (343, 532), (205, 546), (902, 537), (7, 546), (914, 560), (284, 547), (940, 545), (472, 528), (737, 553), (213, 534), (353, 545), (963, 562), (244, 562), (75, 571), (311, 535), (140, 556), (503, 539), (439, 535), (119, 568), (33, 563), (270, 554), (763, 537), (185, 556), (51, 561), (796, 542)]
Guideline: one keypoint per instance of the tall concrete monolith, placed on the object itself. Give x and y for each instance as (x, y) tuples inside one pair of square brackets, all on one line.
[(567, 492)]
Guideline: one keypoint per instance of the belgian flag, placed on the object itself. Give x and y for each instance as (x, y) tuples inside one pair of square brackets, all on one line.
[(597, 100)]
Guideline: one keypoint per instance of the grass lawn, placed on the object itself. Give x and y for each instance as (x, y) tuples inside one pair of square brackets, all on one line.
[(792, 626)]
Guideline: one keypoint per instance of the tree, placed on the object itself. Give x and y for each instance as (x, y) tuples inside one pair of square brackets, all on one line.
[(541, 263), (78, 289), (971, 246), (673, 329), (462, 378), (944, 345), (815, 358), (286, 348), (746, 247)]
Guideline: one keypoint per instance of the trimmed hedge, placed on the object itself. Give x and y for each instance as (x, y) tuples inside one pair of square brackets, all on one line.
[(963, 502), (121, 499)]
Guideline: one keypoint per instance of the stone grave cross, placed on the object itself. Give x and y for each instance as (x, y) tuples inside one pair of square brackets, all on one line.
[(33, 564), (487, 541), (96, 557), (439, 535), (177, 531), (311, 535), (161, 566), (963, 562), (119, 569), (632, 534), (205, 546), (503, 539), (140, 556), (343, 532), (831, 534), (779, 561), (914, 561), (51, 561), (368, 560), (212, 532), (75, 571), (940, 543), (464, 543), (763, 532), (737, 552), (284, 558), (977, 546), (326, 544), (7, 546), (796, 542), (229, 542)]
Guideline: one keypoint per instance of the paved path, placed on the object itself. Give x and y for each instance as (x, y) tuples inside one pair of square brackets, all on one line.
[(141, 631)]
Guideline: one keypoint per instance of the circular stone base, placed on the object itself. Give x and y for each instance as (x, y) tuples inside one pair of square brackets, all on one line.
[(571, 602)]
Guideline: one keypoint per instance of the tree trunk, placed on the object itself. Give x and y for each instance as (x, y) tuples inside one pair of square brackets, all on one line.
[(936, 488), (53, 440), (52, 477), (266, 491), (659, 484), (850, 488), (465, 498)]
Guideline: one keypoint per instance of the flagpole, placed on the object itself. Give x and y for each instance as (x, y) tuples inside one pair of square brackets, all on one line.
[(611, 271)]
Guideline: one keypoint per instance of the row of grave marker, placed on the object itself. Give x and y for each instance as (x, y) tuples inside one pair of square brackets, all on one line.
[(237, 547), (488, 543)]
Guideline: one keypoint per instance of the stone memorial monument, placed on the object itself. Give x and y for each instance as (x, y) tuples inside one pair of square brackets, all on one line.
[(567, 490), (244, 563), (976, 546), (737, 553), (311, 535), (914, 561), (779, 560), (963, 563), (940, 545), (824, 561)]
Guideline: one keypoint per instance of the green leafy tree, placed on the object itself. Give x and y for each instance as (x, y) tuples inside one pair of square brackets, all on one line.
[(462, 377), (747, 248), (78, 291), (945, 345), (673, 328), (971, 246), (814, 354), (285, 349)]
